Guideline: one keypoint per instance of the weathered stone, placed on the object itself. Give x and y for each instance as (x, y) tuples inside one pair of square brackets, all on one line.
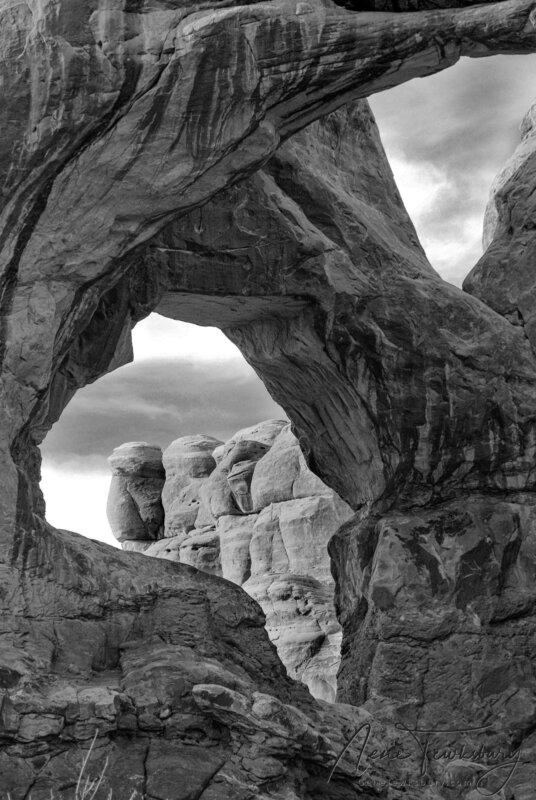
[(274, 476), (239, 480), (265, 432), (132, 141), (237, 450), (291, 580), (237, 461), (136, 546), (504, 278), (279, 555), (181, 771), (178, 632), (444, 582), (167, 548), (134, 506), (200, 548), (215, 499), (282, 474), (187, 462), (181, 513), (235, 536)]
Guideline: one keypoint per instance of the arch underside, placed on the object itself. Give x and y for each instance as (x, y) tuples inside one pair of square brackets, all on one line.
[(412, 399)]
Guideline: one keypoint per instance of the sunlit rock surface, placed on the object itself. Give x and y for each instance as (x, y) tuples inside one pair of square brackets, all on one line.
[(197, 160), (134, 507), (271, 523)]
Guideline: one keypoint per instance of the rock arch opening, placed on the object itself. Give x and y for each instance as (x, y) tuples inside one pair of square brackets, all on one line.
[(184, 379), (313, 269), (243, 506)]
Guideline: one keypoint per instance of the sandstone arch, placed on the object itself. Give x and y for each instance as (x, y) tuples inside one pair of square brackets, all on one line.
[(123, 147)]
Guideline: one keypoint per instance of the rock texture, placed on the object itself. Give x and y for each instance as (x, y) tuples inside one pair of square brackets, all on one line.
[(156, 156), (172, 669), (135, 499), (403, 5), (271, 521), (504, 277)]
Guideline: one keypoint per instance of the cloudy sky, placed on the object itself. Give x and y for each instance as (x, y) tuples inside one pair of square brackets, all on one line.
[(446, 137)]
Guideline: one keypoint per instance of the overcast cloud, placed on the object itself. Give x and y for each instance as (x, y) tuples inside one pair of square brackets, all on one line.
[(157, 401), (446, 137)]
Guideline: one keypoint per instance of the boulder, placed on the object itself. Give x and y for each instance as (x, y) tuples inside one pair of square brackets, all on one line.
[(239, 460), (186, 459), (134, 505), (217, 494), (236, 450), (265, 432), (187, 462), (282, 474), (274, 476), (215, 499)]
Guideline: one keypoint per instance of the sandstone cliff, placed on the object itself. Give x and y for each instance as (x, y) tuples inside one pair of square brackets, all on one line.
[(251, 511), (196, 160)]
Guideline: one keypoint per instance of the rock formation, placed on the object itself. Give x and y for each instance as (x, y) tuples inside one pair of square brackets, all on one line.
[(503, 278), (269, 523), (197, 160), (135, 499)]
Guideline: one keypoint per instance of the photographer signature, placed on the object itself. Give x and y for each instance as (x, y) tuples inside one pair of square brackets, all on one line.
[(465, 761)]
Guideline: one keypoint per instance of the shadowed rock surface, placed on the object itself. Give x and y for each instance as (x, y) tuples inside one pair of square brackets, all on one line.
[(155, 156), (504, 276), (269, 534)]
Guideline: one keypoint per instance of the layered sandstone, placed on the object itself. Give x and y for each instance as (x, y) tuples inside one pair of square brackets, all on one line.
[(134, 507), (251, 511)]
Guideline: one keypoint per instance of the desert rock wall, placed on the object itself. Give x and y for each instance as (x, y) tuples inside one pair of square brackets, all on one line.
[(249, 510)]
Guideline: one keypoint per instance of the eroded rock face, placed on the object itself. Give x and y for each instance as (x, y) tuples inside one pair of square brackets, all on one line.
[(504, 276), (291, 580), (155, 156), (448, 582), (269, 523), (187, 462), (134, 506), (173, 670)]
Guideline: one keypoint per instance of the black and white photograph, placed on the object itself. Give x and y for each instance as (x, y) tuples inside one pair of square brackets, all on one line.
[(267, 400)]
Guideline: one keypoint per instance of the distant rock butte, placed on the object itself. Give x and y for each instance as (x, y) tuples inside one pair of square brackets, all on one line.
[(270, 520)]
